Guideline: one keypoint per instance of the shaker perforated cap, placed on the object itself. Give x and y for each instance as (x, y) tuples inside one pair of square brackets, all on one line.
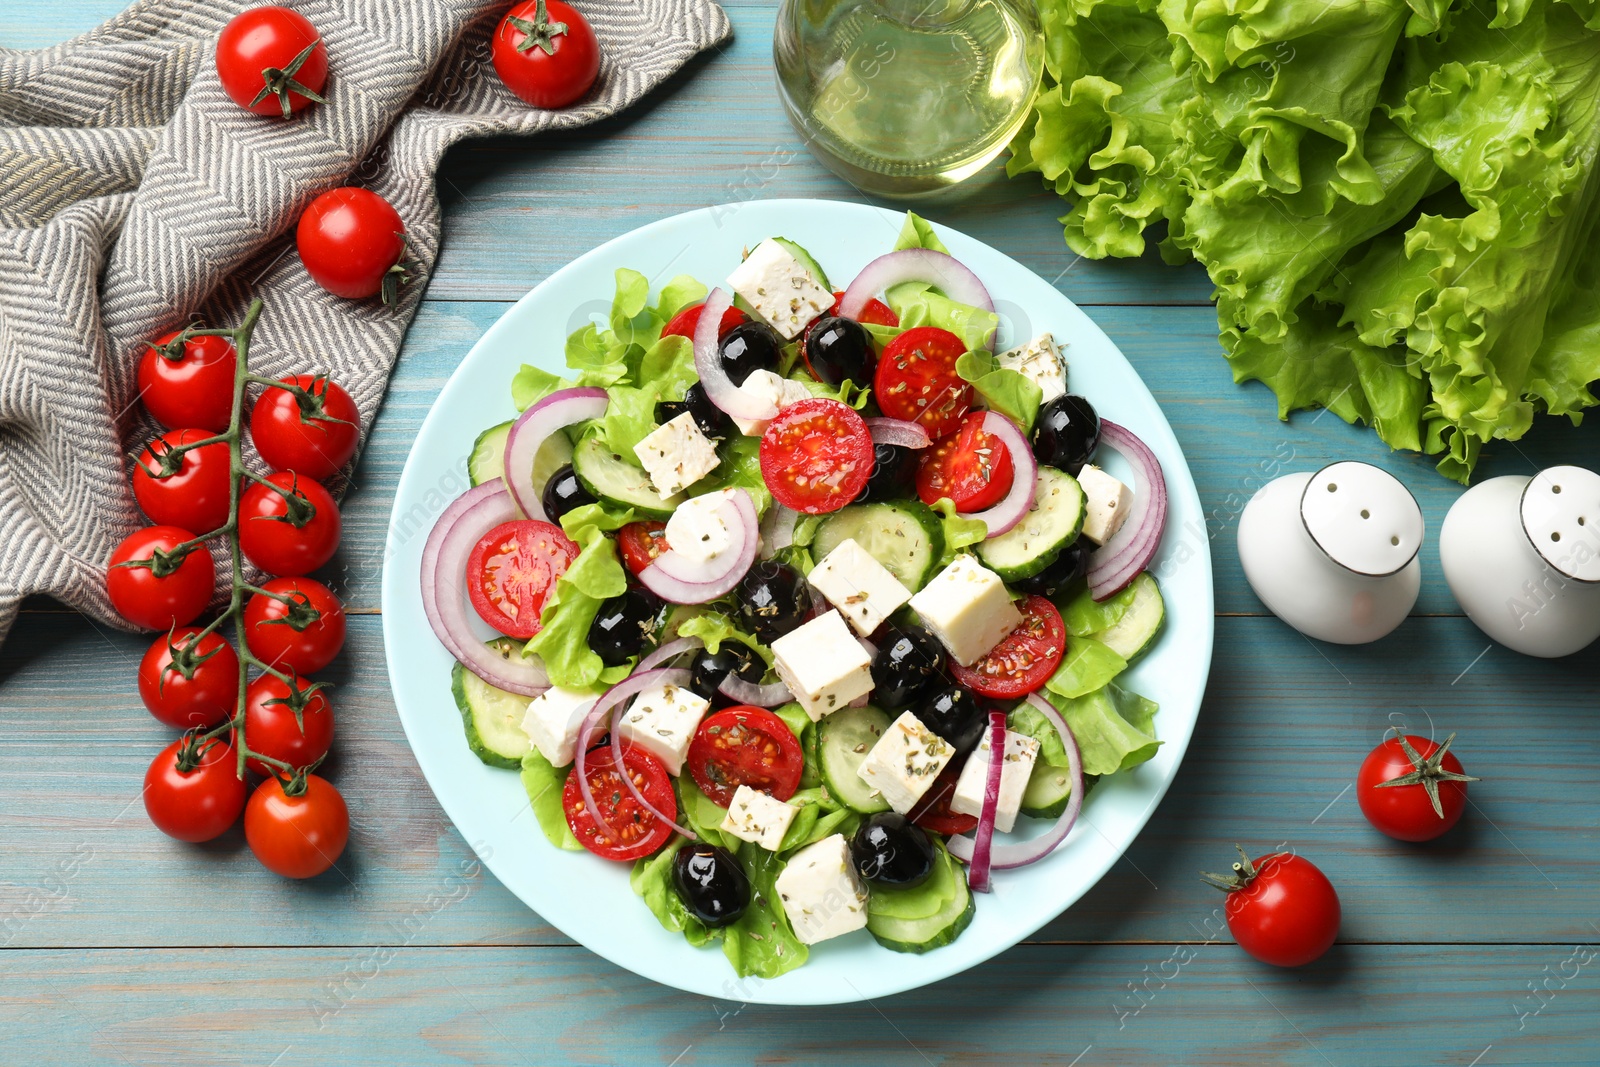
[(1362, 517), (1561, 515)]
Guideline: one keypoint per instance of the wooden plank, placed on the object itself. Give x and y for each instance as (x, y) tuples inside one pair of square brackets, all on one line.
[(1283, 729), (1131, 1005), (25, 25)]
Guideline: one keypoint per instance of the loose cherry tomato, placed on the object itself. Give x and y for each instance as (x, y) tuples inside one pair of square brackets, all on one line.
[(745, 745), (630, 830), (917, 380), (198, 799), (874, 313), (268, 533), (189, 384), (352, 242), (272, 61), (684, 323), (1281, 909), (297, 836), (971, 467), (270, 728), (189, 684), (312, 433), (641, 542), (1411, 788), (195, 494), (512, 570), (546, 53), (933, 812), (816, 456), (1024, 659), (303, 636), (148, 589)]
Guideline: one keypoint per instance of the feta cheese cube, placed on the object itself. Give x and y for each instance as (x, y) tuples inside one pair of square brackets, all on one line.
[(676, 454), (905, 761), (864, 590), (821, 893), (1040, 361), (782, 290), (823, 665), (1021, 752), (552, 720), (1106, 503), (662, 721), (780, 391), (697, 529), (758, 817), (966, 607)]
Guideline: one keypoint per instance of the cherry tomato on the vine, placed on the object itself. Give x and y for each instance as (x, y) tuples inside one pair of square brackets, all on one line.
[(1411, 788), (270, 625), (313, 433), (148, 589), (268, 533), (546, 53), (199, 802), (188, 384), (189, 684), (352, 242), (297, 836), (270, 728), (194, 494), (1281, 908), (272, 61)]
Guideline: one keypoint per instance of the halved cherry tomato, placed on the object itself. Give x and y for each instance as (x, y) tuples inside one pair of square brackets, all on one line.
[(933, 812), (512, 570), (917, 380), (685, 322), (816, 456), (874, 313), (1024, 659), (641, 542), (745, 745), (637, 832), (971, 467)]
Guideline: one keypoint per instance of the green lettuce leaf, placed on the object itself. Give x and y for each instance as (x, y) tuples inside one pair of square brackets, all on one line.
[(562, 642), (713, 628), (1088, 665), (651, 879), (1009, 392), (917, 232), (959, 533), (544, 783), (761, 942), (1113, 727)]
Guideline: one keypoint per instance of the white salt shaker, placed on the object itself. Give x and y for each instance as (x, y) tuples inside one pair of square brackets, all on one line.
[(1522, 556), (1334, 553)]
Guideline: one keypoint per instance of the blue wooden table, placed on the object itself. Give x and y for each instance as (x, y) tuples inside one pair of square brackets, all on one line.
[(121, 946)]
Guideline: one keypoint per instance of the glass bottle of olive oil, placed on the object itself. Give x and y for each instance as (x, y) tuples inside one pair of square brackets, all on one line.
[(905, 98)]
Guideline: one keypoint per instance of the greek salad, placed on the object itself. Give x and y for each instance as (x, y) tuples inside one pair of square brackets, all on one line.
[(777, 572)]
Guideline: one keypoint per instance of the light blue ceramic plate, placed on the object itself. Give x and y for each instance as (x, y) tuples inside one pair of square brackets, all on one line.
[(588, 899)]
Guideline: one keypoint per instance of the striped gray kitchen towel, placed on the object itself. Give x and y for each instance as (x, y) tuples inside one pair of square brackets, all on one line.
[(136, 197)]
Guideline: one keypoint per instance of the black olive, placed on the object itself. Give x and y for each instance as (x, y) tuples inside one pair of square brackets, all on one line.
[(894, 472), (562, 493), (712, 420), (710, 668), (908, 663), (711, 883), (667, 410), (954, 714), (749, 346), (1067, 433), (772, 600), (1060, 574), (626, 626), (836, 349), (891, 850)]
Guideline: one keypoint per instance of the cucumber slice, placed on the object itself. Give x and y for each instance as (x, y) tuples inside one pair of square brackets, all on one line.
[(492, 717), (843, 741), (614, 479), (488, 459), (906, 538), (1136, 631), (923, 901), (1052, 523), (1047, 792), (807, 260), (934, 931)]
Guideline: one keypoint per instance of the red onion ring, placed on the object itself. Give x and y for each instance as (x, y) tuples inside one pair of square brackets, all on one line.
[(983, 843), (777, 529), (720, 389), (532, 428), (1117, 562), (761, 696), (898, 432), (951, 277), (444, 568), (609, 701), (1009, 857), (668, 651), (675, 578), (1013, 507)]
